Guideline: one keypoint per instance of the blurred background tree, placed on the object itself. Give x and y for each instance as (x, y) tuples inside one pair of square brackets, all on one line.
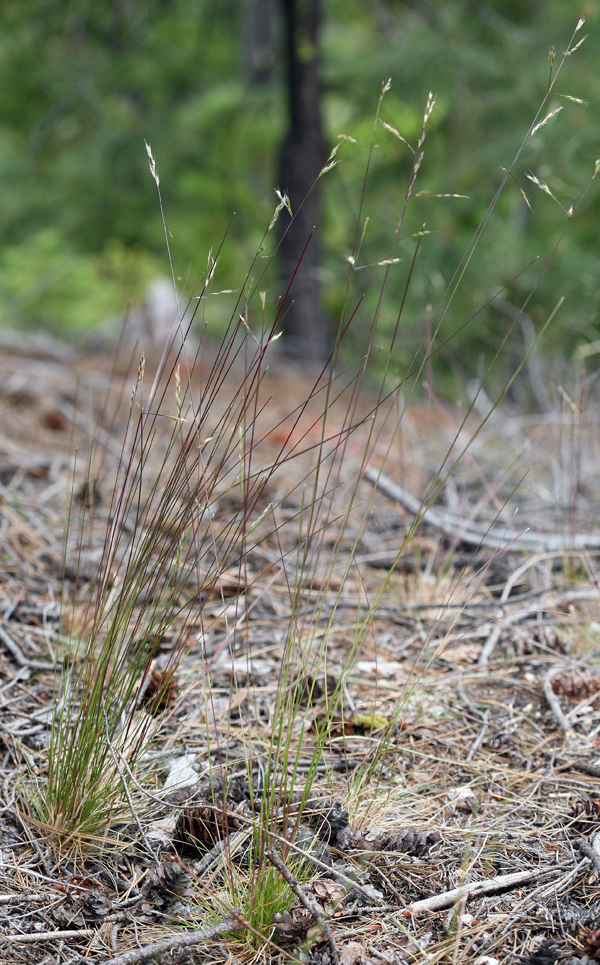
[(83, 82), (306, 331)]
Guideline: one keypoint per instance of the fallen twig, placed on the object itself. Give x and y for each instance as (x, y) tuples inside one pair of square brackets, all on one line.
[(212, 857), (496, 633), (24, 896), (589, 850), (14, 649), (554, 703), (484, 716), (356, 911), (480, 737), (592, 769), (488, 886), (334, 872), (310, 906), (493, 537), (533, 898), (49, 936), (185, 939)]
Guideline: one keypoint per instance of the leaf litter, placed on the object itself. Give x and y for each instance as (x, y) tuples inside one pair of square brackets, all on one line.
[(453, 810)]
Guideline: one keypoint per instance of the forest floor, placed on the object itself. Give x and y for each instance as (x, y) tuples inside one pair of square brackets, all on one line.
[(455, 803)]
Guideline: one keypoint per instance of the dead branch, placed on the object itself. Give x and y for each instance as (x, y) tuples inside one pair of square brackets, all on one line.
[(488, 886), (480, 738), (464, 530), (211, 858), (310, 906), (335, 872), (553, 702), (592, 769), (554, 887), (183, 940), (49, 936), (14, 649), (590, 851), (495, 634)]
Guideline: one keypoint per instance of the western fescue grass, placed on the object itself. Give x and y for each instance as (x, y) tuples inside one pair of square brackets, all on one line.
[(190, 444)]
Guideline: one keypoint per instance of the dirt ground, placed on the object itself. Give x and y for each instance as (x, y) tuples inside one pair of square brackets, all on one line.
[(454, 813)]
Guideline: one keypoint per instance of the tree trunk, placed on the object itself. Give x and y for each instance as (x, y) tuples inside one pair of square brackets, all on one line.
[(302, 158), (258, 40)]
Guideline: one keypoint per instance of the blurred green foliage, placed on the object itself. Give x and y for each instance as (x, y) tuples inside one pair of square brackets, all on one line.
[(84, 82)]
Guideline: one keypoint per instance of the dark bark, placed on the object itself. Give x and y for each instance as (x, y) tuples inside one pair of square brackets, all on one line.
[(258, 40), (302, 158)]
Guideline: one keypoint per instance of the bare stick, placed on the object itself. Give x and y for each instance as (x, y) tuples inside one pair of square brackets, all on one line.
[(496, 632), (554, 888), (477, 888), (357, 911), (211, 858), (554, 703), (183, 940), (483, 716), (465, 530), (49, 936), (490, 644), (592, 769), (335, 872), (480, 737), (14, 649), (24, 896), (309, 905), (590, 852)]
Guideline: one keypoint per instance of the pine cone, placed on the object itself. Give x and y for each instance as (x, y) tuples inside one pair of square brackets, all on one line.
[(327, 817), (96, 905), (590, 937), (161, 692), (202, 826), (413, 841), (164, 883), (546, 954)]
